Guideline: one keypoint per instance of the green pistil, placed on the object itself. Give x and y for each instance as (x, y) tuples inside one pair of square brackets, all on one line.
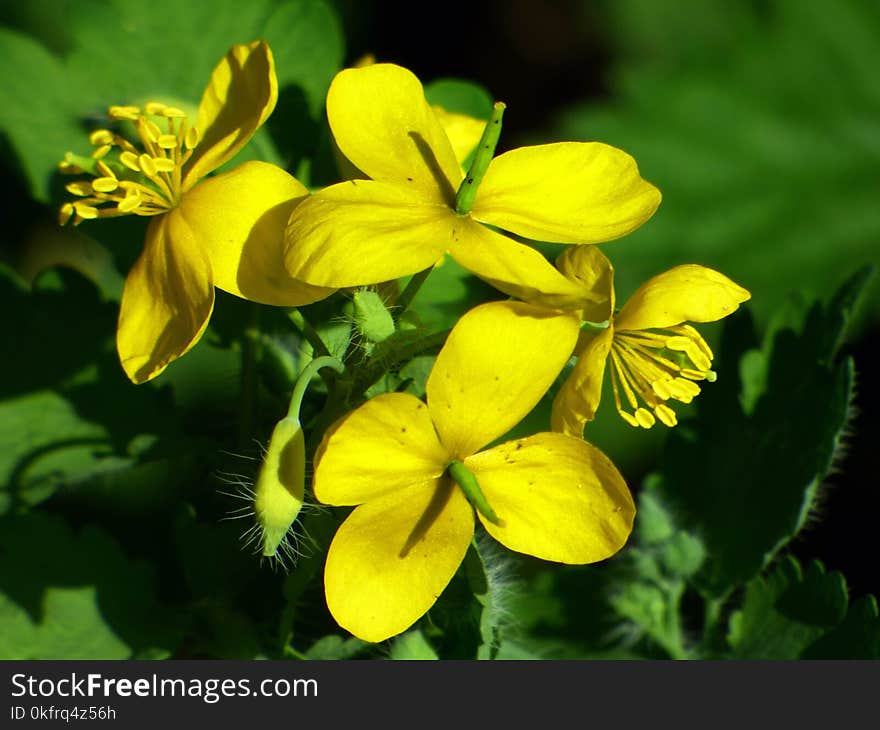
[(467, 191), (465, 479)]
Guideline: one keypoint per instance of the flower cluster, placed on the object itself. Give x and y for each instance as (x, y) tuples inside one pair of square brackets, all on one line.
[(418, 474)]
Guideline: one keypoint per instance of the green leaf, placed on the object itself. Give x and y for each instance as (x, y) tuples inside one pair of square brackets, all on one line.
[(36, 99), (788, 611), (412, 645), (448, 293), (759, 123), (335, 647), (123, 52), (65, 412), (745, 479), (75, 596), (856, 637), (460, 97)]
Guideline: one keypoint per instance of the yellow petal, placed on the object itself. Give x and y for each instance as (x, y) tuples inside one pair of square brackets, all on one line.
[(239, 97), (239, 219), (385, 445), (393, 557), (167, 299), (514, 268), (497, 363), (591, 269), (568, 192), (578, 398), (559, 498), (464, 132), (385, 127), (688, 293), (363, 232)]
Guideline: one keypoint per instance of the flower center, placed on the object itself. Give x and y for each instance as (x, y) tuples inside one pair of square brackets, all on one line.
[(143, 181), (650, 367)]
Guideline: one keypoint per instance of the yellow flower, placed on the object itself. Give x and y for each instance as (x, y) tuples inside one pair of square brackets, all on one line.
[(654, 355), (403, 219), (553, 496), (226, 231)]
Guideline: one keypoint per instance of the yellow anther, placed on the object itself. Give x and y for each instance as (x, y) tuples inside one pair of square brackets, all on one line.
[(124, 112), (684, 390), (101, 137), (665, 415), (628, 418), (147, 166), (80, 187), (693, 374), (130, 160), (644, 418), (678, 343), (155, 108), (129, 203), (661, 388), (85, 211), (192, 138), (105, 184), (101, 151), (163, 164), (172, 112), (150, 130), (167, 141), (691, 333), (65, 214)]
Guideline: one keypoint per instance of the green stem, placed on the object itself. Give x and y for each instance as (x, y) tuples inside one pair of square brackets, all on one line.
[(409, 293), (309, 332), (467, 191), (305, 377)]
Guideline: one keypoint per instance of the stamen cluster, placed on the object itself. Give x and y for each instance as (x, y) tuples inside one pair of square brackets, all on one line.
[(652, 367), (138, 182)]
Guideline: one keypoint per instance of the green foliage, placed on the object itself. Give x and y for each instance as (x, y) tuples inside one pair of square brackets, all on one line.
[(758, 122), (124, 511), (761, 466), (75, 595), (804, 613), (108, 42)]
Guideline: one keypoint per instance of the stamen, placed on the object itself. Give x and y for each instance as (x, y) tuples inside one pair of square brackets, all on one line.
[(129, 203), (80, 187), (163, 164), (154, 108), (132, 113), (666, 415), (192, 138), (130, 160), (101, 137), (653, 367), (147, 165), (142, 180), (644, 418), (105, 184), (85, 211), (65, 214)]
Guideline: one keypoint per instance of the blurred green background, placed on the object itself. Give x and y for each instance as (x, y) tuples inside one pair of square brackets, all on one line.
[(759, 120)]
